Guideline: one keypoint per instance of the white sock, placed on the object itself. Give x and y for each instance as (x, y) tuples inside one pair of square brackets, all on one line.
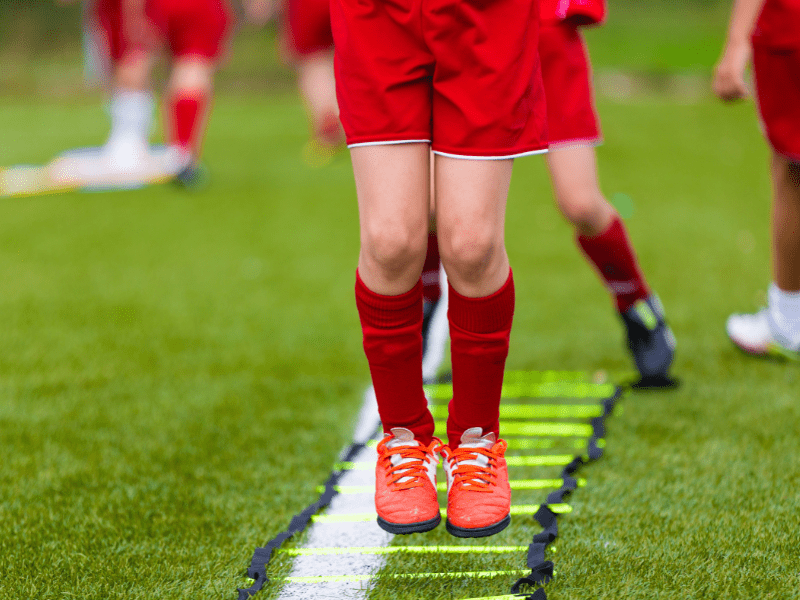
[(784, 308), (131, 115)]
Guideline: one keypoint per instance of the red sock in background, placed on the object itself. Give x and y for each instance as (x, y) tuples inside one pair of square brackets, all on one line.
[(431, 286), (612, 254), (479, 337), (392, 327), (186, 118)]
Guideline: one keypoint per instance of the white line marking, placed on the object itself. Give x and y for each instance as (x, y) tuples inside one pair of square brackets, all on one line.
[(358, 568)]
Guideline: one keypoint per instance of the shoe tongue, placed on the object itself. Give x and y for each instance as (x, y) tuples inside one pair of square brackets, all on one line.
[(472, 438), (402, 437)]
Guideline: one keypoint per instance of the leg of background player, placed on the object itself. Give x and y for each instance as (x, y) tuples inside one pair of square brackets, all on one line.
[(131, 111), (776, 329), (784, 296), (573, 171), (786, 223), (188, 100), (435, 328), (318, 90), (604, 241)]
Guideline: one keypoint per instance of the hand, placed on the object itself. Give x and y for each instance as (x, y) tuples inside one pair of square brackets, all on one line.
[(260, 12), (729, 82)]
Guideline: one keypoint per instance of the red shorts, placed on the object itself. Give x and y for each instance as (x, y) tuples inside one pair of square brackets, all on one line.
[(571, 116), (188, 27), (463, 75), (308, 27), (777, 74)]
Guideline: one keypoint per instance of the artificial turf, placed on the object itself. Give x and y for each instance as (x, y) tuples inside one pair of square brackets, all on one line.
[(178, 371)]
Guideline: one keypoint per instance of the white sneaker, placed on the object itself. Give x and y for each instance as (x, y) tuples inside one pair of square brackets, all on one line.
[(757, 334)]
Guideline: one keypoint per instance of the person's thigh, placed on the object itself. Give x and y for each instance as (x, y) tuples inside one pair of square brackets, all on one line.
[(392, 184), (470, 217)]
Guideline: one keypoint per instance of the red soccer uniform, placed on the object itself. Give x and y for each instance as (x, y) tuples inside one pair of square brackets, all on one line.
[(776, 64), (308, 27), (188, 27), (566, 70), (778, 25), (464, 76)]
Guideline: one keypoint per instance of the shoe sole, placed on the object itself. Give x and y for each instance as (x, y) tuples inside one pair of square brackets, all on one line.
[(406, 528), (463, 532), (656, 382), (772, 351)]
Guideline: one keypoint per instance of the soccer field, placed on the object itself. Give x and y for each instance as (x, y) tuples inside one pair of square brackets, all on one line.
[(179, 371)]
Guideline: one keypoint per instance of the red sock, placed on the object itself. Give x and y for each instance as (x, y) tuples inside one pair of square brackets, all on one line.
[(431, 287), (479, 336), (392, 327), (612, 254), (187, 112)]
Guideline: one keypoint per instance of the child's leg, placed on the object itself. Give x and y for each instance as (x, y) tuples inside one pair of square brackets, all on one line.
[(188, 102), (318, 89), (431, 287), (784, 295), (573, 171), (470, 205), (131, 106), (786, 223), (604, 241), (392, 187), (776, 329), (601, 233), (435, 327)]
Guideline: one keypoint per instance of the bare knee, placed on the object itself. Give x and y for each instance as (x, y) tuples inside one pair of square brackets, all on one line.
[(192, 73), (394, 251), (471, 255), (588, 211)]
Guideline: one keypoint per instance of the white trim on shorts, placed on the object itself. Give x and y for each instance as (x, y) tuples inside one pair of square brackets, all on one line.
[(468, 157), (388, 143), (577, 142)]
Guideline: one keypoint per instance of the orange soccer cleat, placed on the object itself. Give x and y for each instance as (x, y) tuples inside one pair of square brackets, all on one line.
[(478, 494), (405, 486)]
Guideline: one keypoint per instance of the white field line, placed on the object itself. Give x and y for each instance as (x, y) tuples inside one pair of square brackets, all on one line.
[(358, 568)]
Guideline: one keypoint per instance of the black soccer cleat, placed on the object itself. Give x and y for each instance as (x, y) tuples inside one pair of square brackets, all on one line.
[(193, 176), (651, 342)]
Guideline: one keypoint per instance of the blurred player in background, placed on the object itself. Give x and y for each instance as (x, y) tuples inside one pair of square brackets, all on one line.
[(768, 32), (132, 33), (307, 44), (573, 131)]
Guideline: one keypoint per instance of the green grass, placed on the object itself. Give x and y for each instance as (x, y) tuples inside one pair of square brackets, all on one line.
[(179, 371), (660, 37)]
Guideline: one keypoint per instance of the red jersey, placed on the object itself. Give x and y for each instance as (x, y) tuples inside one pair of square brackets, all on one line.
[(778, 26)]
